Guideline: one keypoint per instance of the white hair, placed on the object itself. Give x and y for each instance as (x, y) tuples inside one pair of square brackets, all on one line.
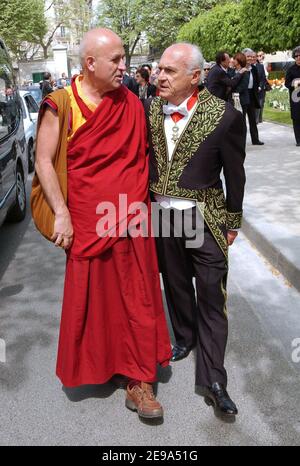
[(197, 60), (247, 50)]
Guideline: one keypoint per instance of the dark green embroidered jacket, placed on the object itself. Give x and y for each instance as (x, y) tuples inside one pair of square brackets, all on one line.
[(214, 139)]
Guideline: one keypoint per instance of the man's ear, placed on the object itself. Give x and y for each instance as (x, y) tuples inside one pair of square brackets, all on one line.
[(90, 63), (196, 76)]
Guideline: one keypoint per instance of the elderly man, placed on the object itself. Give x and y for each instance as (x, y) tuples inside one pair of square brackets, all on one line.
[(113, 319), (193, 135), (219, 82), (253, 90)]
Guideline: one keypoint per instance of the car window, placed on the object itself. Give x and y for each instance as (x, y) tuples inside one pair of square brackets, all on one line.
[(23, 108), (9, 109), (37, 94), (9, 103), (31, 104)]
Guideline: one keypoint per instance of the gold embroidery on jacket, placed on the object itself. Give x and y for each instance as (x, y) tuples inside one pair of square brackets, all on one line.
[(203, 122)]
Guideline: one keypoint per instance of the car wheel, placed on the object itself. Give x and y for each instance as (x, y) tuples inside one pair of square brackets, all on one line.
[(30, 152), (18, 212)]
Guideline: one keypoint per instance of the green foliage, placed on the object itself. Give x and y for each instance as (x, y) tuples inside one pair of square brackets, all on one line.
[(278, 116), (270, 25), (278, 99), (284, 24), (125, 17), (163, 18), (276, 74), (217, 29), (160, 19), (21, 21)]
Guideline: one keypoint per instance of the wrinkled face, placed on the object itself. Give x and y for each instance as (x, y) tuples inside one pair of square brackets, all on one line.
[(107, 64), (254, 58), (260, 57), (249, 58), (231, 62), (226, 61), (297, 58), (139, 78), (206, 71), (175, 80)]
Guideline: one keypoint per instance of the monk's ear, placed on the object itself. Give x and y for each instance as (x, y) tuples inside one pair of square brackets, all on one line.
[(196, 76), (90, 63)]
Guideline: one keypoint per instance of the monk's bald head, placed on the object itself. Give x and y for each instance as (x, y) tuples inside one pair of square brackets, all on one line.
[(96, 39), (102, 60)]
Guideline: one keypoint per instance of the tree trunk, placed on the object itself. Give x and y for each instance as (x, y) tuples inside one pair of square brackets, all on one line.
[(45, 50), (128, 56)]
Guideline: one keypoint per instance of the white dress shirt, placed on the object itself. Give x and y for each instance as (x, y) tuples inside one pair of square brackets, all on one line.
[(166, 201), (250, 85)]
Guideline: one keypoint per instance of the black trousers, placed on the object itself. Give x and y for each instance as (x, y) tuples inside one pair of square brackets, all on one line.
[(250, 110), (198, 320), (260, 111), (296, 125)]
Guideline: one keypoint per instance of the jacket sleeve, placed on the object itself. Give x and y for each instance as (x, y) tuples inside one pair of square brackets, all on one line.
[(233, 157), (243, 83), (230, 82), (289, 79)]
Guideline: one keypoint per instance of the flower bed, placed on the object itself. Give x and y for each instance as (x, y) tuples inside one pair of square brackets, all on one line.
[(278, 97)]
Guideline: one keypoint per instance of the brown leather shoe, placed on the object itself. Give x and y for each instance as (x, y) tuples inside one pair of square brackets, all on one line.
[(140, 398)]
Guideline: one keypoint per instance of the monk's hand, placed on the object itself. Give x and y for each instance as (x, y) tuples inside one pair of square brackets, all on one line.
[(231, 235), (63, 230)]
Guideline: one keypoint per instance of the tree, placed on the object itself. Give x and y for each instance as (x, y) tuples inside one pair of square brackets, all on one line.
[(215, 30), (166, 17), (21, 21), (73, 14), (274, 25), (125, 17), (159, 19)]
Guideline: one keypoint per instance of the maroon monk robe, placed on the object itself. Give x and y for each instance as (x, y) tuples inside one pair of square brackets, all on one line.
[(113, 320)]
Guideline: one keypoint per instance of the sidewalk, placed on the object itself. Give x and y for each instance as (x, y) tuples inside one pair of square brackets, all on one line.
[(272, 199)]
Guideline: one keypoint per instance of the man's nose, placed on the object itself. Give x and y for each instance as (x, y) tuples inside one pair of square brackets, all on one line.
[(161, 75), (122, 65)]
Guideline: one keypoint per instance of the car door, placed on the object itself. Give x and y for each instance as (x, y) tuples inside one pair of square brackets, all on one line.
[(33, 110), (9, 120)]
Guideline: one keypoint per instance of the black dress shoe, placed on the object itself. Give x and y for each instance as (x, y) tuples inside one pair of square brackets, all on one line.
[(219, 398), (179, 352), (298, 144), (258, 143)]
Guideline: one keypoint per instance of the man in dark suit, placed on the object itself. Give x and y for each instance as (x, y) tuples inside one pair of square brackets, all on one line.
[(219, 82), (46, 86), (193, 136), (263, 84), (131, 84), (253, 89)]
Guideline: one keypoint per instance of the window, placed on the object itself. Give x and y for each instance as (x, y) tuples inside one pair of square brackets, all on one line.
[(31, 104), (9, 112)]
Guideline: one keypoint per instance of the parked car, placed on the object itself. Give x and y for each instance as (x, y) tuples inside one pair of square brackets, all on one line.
[(13, 154), (35, 91), (30, 115)]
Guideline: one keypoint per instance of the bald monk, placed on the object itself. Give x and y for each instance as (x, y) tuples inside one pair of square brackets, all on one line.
[(112, 320)]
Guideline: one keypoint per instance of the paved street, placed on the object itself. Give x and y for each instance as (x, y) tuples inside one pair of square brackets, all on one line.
[(264, 381)]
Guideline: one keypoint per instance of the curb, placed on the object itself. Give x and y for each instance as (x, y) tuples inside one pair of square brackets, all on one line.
[(289, 270)]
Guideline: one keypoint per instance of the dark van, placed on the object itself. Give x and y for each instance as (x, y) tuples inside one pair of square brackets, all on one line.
[(13, 155)]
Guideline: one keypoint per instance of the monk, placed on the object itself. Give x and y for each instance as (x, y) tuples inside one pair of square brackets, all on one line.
[(113, 320)]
